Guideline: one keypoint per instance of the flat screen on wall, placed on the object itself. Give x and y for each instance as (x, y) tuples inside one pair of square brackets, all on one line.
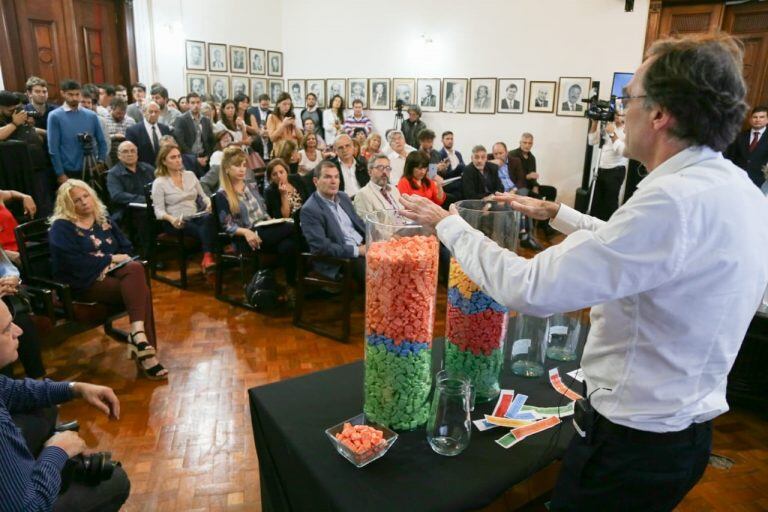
[(620, 80)]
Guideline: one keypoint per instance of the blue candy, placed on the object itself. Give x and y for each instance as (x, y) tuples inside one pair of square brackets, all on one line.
[(404, 349), (477, 303)]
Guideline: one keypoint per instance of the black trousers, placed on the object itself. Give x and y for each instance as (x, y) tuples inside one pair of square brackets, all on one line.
[(279, 239), (628, 470), (607, 188), (36, 427)]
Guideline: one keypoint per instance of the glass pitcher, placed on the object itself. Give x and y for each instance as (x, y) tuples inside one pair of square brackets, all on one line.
[(449, 425)]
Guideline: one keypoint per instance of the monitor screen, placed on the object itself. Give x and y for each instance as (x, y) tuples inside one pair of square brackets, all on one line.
[(620, 80)]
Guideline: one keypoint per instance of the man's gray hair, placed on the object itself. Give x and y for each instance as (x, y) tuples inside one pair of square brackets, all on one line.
[(317, 172), (377, 156), (392, 134), (526, 135), (336, 142), (478, 148), (147, 104)]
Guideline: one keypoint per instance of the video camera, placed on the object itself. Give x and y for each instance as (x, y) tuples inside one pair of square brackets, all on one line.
[(601, 110), (86, 141), (399, 104)]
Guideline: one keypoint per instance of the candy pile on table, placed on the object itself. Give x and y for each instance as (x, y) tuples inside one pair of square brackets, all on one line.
[(399, 311), (475, 329), (360, 438)]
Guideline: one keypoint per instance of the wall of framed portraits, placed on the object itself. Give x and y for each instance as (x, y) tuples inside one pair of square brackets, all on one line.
[(487, 72)]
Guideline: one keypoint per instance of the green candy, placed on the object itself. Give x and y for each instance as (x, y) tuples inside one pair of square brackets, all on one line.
[(482, 370)]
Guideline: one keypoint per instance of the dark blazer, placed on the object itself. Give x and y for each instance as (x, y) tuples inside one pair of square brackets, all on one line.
[(184, 132), (139, 136), (566, 108), (516, 172), (272, 195), (322, 232), (505, 104), (128, 187), (452, 173), (473, 182), (361, 171), (738, 153)]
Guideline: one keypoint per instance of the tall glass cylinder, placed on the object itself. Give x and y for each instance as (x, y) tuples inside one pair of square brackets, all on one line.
[(401, 288), (475, 322)]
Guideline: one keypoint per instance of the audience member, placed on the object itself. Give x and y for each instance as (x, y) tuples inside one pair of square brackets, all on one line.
[(37, 92), (183, 104), (115, 124), (437, 164), (372, 146), (90, 97), (172, 105), (281, 125), (416, 182), (455, 160), (210, 180), (29, 350), (523, 152), (168, 115), (136, 109), (288, 152), (353, 174), (106, 95), (413, 125), (612, 167), (126, 181), (242, 111), (359, 136), (286, 192), (194, 132), (378, 193), (357, 120), (65, 125), (397, 154), (230, 122), (330, 225), (333, 120), (122, 93), (310, 154), (92, 256), (313, 112), (176, 194), (310, 127), (146, 135), (480, 178), (261, 112), (750, 149)]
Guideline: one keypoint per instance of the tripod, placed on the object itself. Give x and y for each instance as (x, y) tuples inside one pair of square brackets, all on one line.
[(595, 166), (398, 120), (93, 172)]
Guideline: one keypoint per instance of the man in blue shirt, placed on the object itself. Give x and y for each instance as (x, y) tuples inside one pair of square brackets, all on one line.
[(65, 125)]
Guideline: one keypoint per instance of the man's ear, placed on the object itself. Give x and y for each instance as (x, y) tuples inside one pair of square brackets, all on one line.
[(314, 180), (662, 118)]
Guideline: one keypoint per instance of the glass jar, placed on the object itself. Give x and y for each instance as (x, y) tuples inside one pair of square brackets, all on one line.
[(563, 336), (401, 289), (475, 322), (528, 336), (449, 427)]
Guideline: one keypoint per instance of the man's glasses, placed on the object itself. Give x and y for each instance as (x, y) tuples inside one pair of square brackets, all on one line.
[(382, 168)]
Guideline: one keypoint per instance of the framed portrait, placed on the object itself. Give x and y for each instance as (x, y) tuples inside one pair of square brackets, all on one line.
[(219, 88), (298, 90), (405, 90), (217, 57), (237, 62), (258, 87), (317, 87), (541, 96), (195, 55), (482, 93), (572, 91), (428, 94), (276, 88), (256, 60), (358, 90), (197, 83), (455, 95), (378, 96), (334, 86), (240, 85), (274, 63), (511, 96)]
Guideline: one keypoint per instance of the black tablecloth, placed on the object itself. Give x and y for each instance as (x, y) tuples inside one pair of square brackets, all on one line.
[(300, 469)]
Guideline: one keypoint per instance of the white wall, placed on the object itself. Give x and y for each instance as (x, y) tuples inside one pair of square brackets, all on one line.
[(533, 39)]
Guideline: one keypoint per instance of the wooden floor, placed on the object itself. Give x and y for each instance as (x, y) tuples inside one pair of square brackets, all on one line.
[(187, 444)]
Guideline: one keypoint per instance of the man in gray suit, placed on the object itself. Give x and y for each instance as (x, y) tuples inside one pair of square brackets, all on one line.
[(194, 131)]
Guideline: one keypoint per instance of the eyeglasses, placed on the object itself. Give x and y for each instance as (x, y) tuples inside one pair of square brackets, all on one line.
[(382, 168)]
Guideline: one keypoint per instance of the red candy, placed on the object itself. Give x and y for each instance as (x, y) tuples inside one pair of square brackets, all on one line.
[(360, 438), (479, 333)]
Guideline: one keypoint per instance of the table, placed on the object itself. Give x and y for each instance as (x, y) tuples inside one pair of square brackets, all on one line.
[(300, 469)]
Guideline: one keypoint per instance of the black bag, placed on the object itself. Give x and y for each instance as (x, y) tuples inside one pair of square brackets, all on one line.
[(262, 291)]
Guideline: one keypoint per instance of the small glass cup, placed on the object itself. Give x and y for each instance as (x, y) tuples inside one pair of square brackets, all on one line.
[(449, 426), (564, 332), (527, 346)]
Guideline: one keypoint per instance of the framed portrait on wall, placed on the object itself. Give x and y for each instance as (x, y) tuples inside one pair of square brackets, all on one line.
[(258, 87), (256, 60), (219, 88), (297, 88), (237, 62), (428, 94), (334, 86), (217, 57), (572, 91), (541, 96), (358, 90), (455, 95), (197, 83), (317, 87), (511, 96), (404, 90), (239, 85), (378, 96), (275, 63), (195, 55), (276, 88), (482, 92)]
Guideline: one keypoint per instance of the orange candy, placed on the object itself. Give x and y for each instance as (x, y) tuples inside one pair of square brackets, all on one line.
[(360, 438)]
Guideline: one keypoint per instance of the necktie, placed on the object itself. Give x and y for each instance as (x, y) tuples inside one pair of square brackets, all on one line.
[(755, 138), (155, 140), (388, 197)]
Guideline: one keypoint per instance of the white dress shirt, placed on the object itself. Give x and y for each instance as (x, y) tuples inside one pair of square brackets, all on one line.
[(351, 186), (453, 158), (148, 127), (613, 151), (675, 277), (397, 162)]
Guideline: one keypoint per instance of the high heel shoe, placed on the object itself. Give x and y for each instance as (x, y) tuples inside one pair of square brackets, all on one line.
[(154, 372), (139, 349)]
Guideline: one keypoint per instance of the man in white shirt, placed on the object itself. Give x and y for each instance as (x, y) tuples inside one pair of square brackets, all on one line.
[(379, 193), (352, 172), (612, 167), (672, 288), (398, 151)]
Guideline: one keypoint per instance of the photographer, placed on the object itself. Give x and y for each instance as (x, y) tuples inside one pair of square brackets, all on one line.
[(70, 128), (611, 169), (31, 459), (413, 126)]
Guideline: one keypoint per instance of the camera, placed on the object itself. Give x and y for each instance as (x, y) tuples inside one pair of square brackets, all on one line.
[(86, 141), (90, 469), (399, 104), (601, 110)]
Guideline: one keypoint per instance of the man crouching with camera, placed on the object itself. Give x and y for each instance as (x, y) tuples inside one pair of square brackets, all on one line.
[(32, 460)]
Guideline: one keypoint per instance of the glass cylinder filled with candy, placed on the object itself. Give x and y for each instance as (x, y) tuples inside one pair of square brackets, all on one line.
[(475, 322), (401, 287)]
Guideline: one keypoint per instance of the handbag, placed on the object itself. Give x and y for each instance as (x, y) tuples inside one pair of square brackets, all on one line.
[(262, 291), (254, 160)]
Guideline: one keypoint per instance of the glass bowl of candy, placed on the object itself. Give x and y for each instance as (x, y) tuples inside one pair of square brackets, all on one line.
[(361, 441)]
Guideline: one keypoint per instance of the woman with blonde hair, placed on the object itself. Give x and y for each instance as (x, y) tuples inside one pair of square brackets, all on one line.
[(288, 152), (372, 146), (91, 255)]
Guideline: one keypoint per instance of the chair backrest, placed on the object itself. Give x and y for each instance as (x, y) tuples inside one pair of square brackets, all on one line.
[(34, 249), (301, 242), (15, 167), (153, 225)]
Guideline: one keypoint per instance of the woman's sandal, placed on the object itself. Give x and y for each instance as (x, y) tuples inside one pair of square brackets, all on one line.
[(153, 373), (141, 349)]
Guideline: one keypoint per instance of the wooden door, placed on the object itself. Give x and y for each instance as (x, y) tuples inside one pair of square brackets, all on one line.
[(96, 29), (749, 23), (667, 19)]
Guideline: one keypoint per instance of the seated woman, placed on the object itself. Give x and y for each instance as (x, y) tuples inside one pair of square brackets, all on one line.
[(310, 154), (372, 146), (210, 180), (178, 197), (234, 125), (85, 250), (415, 180), (309, 127), (286, 192), (288, 152), (240, 207)]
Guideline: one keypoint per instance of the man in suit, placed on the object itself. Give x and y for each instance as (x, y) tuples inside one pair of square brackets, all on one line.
[(378, 194), (379, 95), (194, 131), (510, 103), (541, 98), (261, 112), (429, 99), (750, 149), (353, 174), (572, 104), (455, 166), (146, 135), (480, 178), (330, 224)]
